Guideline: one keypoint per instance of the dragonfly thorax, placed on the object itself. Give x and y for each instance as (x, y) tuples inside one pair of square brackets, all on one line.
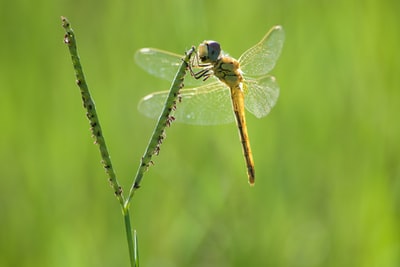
[(227, 70), (209, 51)]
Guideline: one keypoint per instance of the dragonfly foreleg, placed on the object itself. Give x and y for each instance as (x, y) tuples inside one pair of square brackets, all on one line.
[(205, 73), (206, 69)]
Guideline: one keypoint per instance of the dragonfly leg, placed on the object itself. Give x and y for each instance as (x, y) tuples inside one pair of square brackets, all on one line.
[(205, 73), (206, 69)]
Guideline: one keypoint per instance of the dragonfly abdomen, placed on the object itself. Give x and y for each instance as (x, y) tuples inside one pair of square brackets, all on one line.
[(238, 108)]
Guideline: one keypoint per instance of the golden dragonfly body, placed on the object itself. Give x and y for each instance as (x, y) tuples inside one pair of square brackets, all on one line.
[(242, 84)]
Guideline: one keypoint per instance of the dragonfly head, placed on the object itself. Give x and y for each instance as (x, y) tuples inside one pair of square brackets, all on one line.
[(209, 51)]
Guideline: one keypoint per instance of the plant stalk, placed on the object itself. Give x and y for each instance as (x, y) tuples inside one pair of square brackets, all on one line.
[(165, 119)]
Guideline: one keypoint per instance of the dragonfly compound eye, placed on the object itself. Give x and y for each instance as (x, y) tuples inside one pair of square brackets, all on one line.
[(214, 50), (209, 51)]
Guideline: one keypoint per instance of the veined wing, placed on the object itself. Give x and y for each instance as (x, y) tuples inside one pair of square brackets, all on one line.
[(205, 105), (261, 58), (261, 95), (162, 64)]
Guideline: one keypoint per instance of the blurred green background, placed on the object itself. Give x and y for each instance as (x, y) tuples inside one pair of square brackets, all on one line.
[(327, 157)]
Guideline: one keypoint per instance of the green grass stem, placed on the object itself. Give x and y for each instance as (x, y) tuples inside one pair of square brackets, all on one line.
[(164, 120), (88, 104), (153, 147)]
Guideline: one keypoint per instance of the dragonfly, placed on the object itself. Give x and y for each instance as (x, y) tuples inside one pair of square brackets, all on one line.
[(221, 87)]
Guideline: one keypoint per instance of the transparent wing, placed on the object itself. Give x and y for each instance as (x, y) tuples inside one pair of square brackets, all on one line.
[(261, 58), (163, 64), (205, 105), (261, 95)]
